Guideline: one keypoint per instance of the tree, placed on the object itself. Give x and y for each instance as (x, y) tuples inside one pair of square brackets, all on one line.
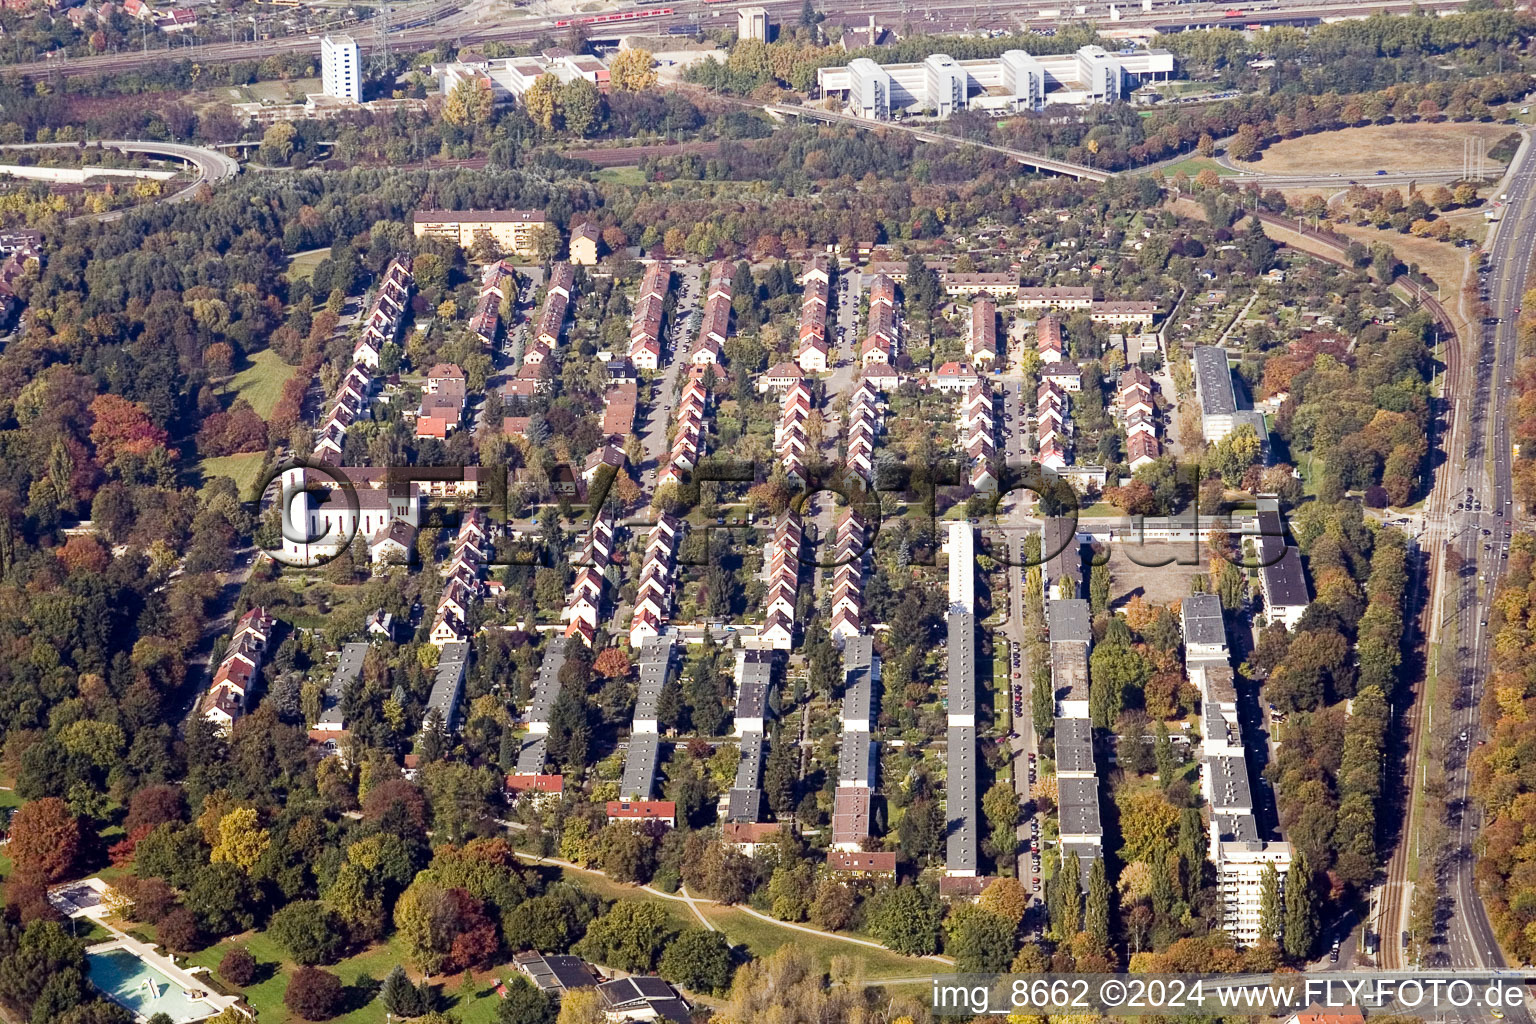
[(1065, 900), (582, 104), (524, 1004), (697, 960), (1269, 905), (540, 101), (1005, 896), (45, 840), (906, 919), (1097, 913), (581, 1006), (242, 840), (309, 932), (1098, 588), (1162, 749), (630, 937), (633, 70), (1147, 823), (1301, 917), (238, 967), (612, 663), (179, 931), (313, 994), (1001, 806), (400, 997), (223, 898), (980, 940)]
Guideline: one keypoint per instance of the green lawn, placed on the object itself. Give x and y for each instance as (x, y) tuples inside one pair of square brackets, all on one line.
[(242, 469), (261, 381), (301, 265), (762, 937), (628, 175), (1194, 165)]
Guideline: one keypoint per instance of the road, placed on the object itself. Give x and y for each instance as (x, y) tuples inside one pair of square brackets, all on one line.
[(212, 166)]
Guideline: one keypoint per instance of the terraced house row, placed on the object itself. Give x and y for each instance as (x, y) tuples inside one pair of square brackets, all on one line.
[(814, 349), (646, 317), (962, 785), (497, 281), (462, 585), (716, 325), (386, 313), (790, 438), (688, 441), (1137, 416), (654, 596), (783, 577), (978, 436), (880, 344), (584, 605), (848, 578), (351, 403), (239, 669), (864, 422)]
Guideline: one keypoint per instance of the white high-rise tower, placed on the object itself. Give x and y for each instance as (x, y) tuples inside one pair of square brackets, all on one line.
[(340, 73)]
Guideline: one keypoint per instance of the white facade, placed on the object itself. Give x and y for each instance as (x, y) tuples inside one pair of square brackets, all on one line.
[(1100, 75), (752, 23), (1240, 877), (869, 90), (945, 82), (341, 74), (1023, 79), (962, 567)]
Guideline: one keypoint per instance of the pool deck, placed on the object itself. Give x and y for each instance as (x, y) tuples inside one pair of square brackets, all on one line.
[(165, 965)]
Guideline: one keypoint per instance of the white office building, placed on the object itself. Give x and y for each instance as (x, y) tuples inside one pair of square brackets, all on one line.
[(869, 90), (1023, 79), (1100, 75), (946, 84), (752, 23), (341, 73)]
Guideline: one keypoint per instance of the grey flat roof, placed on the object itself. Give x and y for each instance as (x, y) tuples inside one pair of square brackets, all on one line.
[(1213, 380), (962, 663), (749, 770), (1202, 621), (1069, 621), (855, 759), (1078, 800), (1285, 582), (1060, 533), (349, 669), (1235, 828), (1074, 745), (546, 685), (448, 683), (744, 805), (754, 674), (1087, 853), (960, 800), (655, 666), (859, 679), (530, 759), (1220, 682), (640, 766), (1069, 671), (1230, 789)]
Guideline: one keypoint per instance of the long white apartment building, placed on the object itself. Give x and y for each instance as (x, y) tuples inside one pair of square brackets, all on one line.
[(1237, 847), (939, 85)]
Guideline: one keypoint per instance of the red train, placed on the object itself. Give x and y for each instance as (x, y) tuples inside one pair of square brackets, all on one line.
[(604, 19)]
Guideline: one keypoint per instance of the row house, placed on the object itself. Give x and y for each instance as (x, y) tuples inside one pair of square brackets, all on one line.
[(996, 285), (880, 343), (350, 404), (864, 419), (790, 439), (1137, 416), (780, 377), (688, 441), (978, 434), (783, 575), (1052, 426), (1048, 340), (1123, 312), (497, 281), (813, 347), (654, 595), (557, 302), (645, 321), (1056, 298), (848, 579), (462, 584), (382, 324), (619, 406), (442, 401), (981, 342), (716, 325), (239, 669), (584, 605), (953, 376)]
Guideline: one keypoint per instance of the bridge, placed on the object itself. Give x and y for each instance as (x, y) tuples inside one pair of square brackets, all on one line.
[(211, 166), (1034, 160)]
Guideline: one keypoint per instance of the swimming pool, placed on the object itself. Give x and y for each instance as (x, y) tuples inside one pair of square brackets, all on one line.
[(134, 984)]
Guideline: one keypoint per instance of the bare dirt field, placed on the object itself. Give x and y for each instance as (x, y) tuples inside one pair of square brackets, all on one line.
[(1397, 147), (1160, 585)]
